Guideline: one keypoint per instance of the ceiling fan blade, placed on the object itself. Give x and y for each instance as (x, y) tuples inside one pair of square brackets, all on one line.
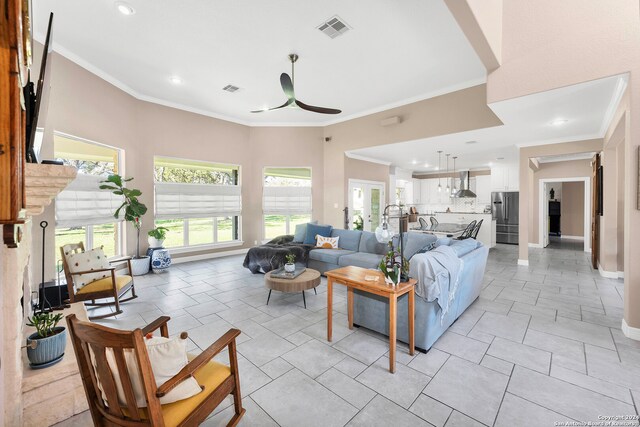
[(287, 85), (317, 109), (286, 104)]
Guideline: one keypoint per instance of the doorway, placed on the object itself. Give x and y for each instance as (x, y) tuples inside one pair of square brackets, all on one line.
[(366, 202), (571, 198)]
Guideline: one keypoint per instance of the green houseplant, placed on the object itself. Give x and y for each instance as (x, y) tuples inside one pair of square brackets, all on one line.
[(390, 266), (46, 346), (157, 236), (133, 210), (290, 266)]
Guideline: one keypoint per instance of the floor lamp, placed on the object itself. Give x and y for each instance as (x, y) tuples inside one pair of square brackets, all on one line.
[(384, 235)]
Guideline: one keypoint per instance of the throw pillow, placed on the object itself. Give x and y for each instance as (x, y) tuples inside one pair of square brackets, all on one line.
[(327, 242), (463, 247), (427, 248), (93, 259), (314, 230), (301, 232), (167, 357)]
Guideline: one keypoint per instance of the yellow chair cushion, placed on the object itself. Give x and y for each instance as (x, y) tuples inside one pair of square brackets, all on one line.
[(210, 376), (105, 284)]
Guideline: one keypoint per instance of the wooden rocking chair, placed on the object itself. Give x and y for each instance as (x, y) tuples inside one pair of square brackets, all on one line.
[(217, 380), (109, 287)]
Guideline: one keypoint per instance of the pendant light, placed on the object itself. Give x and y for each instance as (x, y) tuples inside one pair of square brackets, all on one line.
[(439, 157), (454, 190), (448, 189)]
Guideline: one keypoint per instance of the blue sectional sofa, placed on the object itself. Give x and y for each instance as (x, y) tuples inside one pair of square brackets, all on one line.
[(359, 248), (372, 311)]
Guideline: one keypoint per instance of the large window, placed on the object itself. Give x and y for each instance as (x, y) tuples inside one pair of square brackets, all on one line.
[(286, 200), (83, 212), (199, 202)]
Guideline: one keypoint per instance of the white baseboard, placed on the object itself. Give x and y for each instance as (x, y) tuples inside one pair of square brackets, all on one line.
[(572, 237), (535, 245), (524, 262), (629, 332), (610, 274), (211, 255)]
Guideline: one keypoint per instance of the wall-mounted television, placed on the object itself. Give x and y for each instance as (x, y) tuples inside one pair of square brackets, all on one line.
[(37, 103)]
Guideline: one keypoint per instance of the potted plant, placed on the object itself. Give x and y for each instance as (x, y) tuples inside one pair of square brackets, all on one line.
[(45, 347), (390, 266), (157, 236), (290, 266), (133, 211)]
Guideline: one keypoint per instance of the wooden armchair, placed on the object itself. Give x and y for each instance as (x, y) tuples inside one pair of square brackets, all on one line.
[(217, 380), (109, 287)]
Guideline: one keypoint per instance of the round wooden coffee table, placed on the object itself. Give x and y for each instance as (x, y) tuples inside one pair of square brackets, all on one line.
[(307, 280)]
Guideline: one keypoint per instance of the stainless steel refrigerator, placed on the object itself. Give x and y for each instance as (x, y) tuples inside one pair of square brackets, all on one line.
[(505, 208)]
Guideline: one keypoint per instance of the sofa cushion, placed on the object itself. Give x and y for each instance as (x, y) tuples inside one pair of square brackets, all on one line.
[(369, 244), (413, 242), (463, 247), (313, 230), (301, 231), (443, 241), (360, 259), (349, 239), (330, 256)]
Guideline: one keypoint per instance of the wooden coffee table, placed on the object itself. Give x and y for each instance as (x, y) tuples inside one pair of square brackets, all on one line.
[(307, 280), (353, 278)]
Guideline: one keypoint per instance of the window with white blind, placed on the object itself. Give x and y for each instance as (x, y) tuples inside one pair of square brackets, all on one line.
[(200, 203), (286, 199), (84, 213)]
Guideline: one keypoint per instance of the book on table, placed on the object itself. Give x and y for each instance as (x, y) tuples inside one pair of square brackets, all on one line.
[(281, 274)]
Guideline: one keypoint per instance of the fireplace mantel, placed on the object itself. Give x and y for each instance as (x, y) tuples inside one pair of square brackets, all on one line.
[(43, 183)]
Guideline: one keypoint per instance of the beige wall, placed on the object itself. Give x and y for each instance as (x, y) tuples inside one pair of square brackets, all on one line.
[(572, 208), (481, 21), (550, 44), (86, 106), (451, 113), (568, 169)]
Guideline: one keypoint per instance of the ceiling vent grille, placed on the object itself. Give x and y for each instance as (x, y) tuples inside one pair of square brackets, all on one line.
[(334, 27), (230, 88)]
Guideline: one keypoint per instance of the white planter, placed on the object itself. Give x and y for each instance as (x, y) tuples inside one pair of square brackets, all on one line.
[(140, 266), (155, 243), (289, 267)]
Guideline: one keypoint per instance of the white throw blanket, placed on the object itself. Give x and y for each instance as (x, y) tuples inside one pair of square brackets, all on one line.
[(437, 272)]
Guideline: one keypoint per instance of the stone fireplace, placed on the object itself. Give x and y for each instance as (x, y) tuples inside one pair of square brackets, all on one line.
[(43, 183)]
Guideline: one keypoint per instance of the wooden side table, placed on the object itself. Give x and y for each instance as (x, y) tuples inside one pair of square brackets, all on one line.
[(307, 280), (354, 278)]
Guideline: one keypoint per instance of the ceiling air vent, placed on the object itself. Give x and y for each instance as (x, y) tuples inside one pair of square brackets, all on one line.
[(230, 88), (334, 27)]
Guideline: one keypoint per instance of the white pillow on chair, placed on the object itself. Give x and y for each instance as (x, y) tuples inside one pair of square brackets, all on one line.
[(93, 259), (167, 356)]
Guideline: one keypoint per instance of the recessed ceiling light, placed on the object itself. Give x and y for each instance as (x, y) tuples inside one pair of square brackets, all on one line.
[(175, 80), (426, 165), (558, 122), (437, 168), (471, 142), (125, 8), (499, 158), (414, 162)]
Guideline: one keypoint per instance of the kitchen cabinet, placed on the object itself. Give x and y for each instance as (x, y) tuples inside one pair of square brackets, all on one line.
[(416, 184), (505, 177), (482, 189)]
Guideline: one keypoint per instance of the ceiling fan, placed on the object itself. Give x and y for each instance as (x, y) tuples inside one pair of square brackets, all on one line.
[(287, 86)]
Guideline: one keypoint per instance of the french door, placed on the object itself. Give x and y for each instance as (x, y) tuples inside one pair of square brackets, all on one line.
[(366, 202)]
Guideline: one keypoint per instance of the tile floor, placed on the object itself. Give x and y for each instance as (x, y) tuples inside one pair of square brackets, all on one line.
[(542, 344)]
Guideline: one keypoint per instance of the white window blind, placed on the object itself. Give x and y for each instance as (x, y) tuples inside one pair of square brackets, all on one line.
[(175, 200), (286, 200), (84, 203)]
